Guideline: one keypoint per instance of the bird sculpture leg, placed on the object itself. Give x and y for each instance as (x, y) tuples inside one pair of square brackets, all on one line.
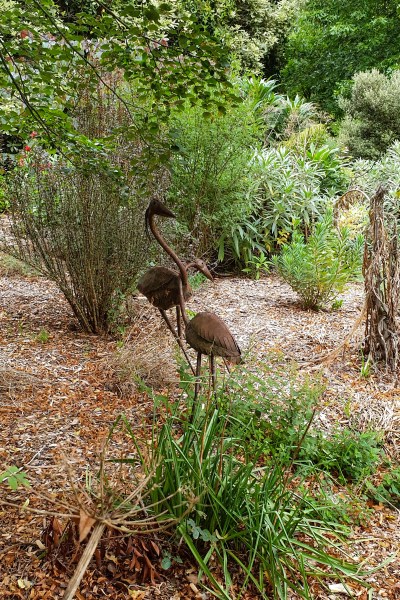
[(213, 372), (227, 365), (178, 339), (178, 321), (196, 386)]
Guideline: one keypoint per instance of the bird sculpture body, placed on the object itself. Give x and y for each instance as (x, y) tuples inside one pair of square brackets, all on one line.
[(208, 334), (164, 287), (161, 286)]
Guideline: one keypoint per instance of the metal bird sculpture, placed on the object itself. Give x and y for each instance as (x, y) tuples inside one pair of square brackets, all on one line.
[(164, 287), (208, 334)]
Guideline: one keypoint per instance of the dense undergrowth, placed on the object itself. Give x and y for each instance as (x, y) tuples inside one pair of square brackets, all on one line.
[(258, 492)]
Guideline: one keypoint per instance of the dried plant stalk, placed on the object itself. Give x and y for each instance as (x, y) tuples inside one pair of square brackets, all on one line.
[(381, 269)]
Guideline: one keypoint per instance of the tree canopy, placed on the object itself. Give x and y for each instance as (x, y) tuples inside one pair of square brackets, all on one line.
[(333, 39), (47, 56)]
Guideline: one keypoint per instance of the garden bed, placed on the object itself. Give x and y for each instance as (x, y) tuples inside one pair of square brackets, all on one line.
[(60, 391)]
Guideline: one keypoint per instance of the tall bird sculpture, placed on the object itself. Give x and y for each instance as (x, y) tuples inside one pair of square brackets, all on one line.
[(164, 287), (208, 334)]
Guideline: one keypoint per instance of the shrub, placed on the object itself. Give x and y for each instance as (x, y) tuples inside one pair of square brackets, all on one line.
[(289, 195), (372, 114), (80, 223), (80, 229), (318, 268), (212, 177)]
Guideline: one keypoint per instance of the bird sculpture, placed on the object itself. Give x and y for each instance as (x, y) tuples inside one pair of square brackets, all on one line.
[(208, 334), (164, 287)]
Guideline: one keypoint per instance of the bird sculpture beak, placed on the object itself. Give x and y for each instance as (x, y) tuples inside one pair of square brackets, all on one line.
[(207, 273)]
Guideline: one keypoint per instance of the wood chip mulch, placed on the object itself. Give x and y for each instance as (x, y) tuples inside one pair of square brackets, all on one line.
[(60, 392)]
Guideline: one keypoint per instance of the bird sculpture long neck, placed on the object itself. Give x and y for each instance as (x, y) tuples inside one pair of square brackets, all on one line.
[(168, 250)]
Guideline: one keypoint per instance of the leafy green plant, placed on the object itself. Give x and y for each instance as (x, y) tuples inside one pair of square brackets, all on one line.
[(246, 518), (365, 370), (196, 280), (288, 116), (318, 268), (349, 454), (43, 336), (14, 477), (271, 409), (257, 265), (288, 195), (212, 177), (388, 491)]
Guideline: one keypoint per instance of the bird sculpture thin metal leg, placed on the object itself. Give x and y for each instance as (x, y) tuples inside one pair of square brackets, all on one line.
[(227, 365), (213, 372), (178, 339), (178, 321), (196, 387)]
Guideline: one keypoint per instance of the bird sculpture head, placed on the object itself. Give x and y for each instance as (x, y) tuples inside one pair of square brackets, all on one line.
[(156, 207), (201, 266)]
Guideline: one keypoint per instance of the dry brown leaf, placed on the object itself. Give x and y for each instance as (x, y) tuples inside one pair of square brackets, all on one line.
[(137, 594), (85, 524)]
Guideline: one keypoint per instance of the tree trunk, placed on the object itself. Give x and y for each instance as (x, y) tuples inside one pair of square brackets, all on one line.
[(381, 271)]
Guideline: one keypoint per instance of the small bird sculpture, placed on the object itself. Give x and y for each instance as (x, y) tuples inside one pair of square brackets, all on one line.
[(208, 334), (164, 287)]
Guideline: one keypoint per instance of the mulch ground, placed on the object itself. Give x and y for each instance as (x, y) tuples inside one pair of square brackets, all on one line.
[(61, 389)]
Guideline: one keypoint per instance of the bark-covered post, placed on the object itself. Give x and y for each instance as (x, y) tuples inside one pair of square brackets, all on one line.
[(381, 271)]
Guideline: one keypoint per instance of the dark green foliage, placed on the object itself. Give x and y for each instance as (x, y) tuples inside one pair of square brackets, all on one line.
[(349, 455), (332, 40), (388, 491), (212, 176), (371, 114), (318, 268)]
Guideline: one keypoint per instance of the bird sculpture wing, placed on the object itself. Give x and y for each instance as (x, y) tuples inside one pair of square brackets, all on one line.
[(156, 279), (208, 334)]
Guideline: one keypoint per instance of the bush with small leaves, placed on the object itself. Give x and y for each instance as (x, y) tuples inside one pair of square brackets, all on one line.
[(318, 268), (212, 177), (349, 455), (372, 114)]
